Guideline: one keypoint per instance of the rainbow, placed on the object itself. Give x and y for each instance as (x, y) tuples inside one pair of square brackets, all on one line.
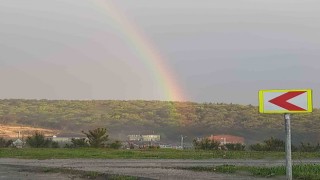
[(148, 54)]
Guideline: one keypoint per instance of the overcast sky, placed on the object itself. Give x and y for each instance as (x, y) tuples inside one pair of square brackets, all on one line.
[(220, 51)]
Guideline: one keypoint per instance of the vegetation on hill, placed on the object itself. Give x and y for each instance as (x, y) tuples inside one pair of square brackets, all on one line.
[(170, 119)]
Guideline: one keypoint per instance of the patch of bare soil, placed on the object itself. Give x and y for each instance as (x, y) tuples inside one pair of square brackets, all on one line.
[(12, 131)]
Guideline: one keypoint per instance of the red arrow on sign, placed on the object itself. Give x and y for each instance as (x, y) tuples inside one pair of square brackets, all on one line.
[(282, 101)]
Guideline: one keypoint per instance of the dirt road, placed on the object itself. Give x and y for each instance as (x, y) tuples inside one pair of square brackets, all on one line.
[(153, 169)]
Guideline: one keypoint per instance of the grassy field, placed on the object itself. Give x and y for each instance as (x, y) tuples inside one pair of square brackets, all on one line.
[(32, 153), (305, 172)]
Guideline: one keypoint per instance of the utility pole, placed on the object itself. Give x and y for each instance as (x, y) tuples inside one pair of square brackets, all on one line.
[(182, 139)]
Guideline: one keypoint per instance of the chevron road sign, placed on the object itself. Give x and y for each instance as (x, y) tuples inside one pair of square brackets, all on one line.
[(285, 101)]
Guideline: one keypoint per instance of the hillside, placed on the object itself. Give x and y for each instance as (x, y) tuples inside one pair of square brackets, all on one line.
[(170, 119)]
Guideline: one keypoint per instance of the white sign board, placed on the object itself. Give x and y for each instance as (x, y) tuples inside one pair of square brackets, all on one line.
[(285, 101)]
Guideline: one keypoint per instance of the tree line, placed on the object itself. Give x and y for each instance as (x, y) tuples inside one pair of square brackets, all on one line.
[(96, 138), (169, 118), (270, 144)]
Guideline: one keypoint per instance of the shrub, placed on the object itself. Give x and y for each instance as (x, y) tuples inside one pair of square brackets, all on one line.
[(309, 147), (54, 144), (271, 144), (206, 144), (256, 147), (235, 147), (274, 144), (4, 143), (116, 145), (79, 143), (37, 140), (9, 143), (153, 147)]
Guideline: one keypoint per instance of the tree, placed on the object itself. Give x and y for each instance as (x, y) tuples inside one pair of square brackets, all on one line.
[(97, 137), (78, 143), (37, 140)]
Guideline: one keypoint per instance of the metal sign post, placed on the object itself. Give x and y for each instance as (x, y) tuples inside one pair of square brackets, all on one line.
[(288, 147)]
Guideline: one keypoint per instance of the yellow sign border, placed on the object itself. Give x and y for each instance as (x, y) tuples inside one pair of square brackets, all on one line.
[(261, 101)]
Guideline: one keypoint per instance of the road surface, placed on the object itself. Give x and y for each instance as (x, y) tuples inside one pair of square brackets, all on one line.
[(146, 168)]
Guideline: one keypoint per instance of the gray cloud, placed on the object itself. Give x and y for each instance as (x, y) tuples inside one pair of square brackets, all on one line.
[(221, 51)]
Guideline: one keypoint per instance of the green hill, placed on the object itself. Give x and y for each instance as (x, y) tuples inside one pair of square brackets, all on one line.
[(170, 119)]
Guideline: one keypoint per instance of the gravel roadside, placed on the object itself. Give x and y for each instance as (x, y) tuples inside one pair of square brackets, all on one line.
[(8, 172)]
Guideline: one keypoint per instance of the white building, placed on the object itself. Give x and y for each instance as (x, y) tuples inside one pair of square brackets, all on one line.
[(145, 138)]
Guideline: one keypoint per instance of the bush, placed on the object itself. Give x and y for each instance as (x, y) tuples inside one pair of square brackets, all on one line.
[(235, 147), (4, 143), (274, 144), (79, 143), (271, 144), (206, 144), (116, 145), (54, 145), (153, 147), (309, 147), (38, 141), (9, 143), (257, 147), (68, 146)]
